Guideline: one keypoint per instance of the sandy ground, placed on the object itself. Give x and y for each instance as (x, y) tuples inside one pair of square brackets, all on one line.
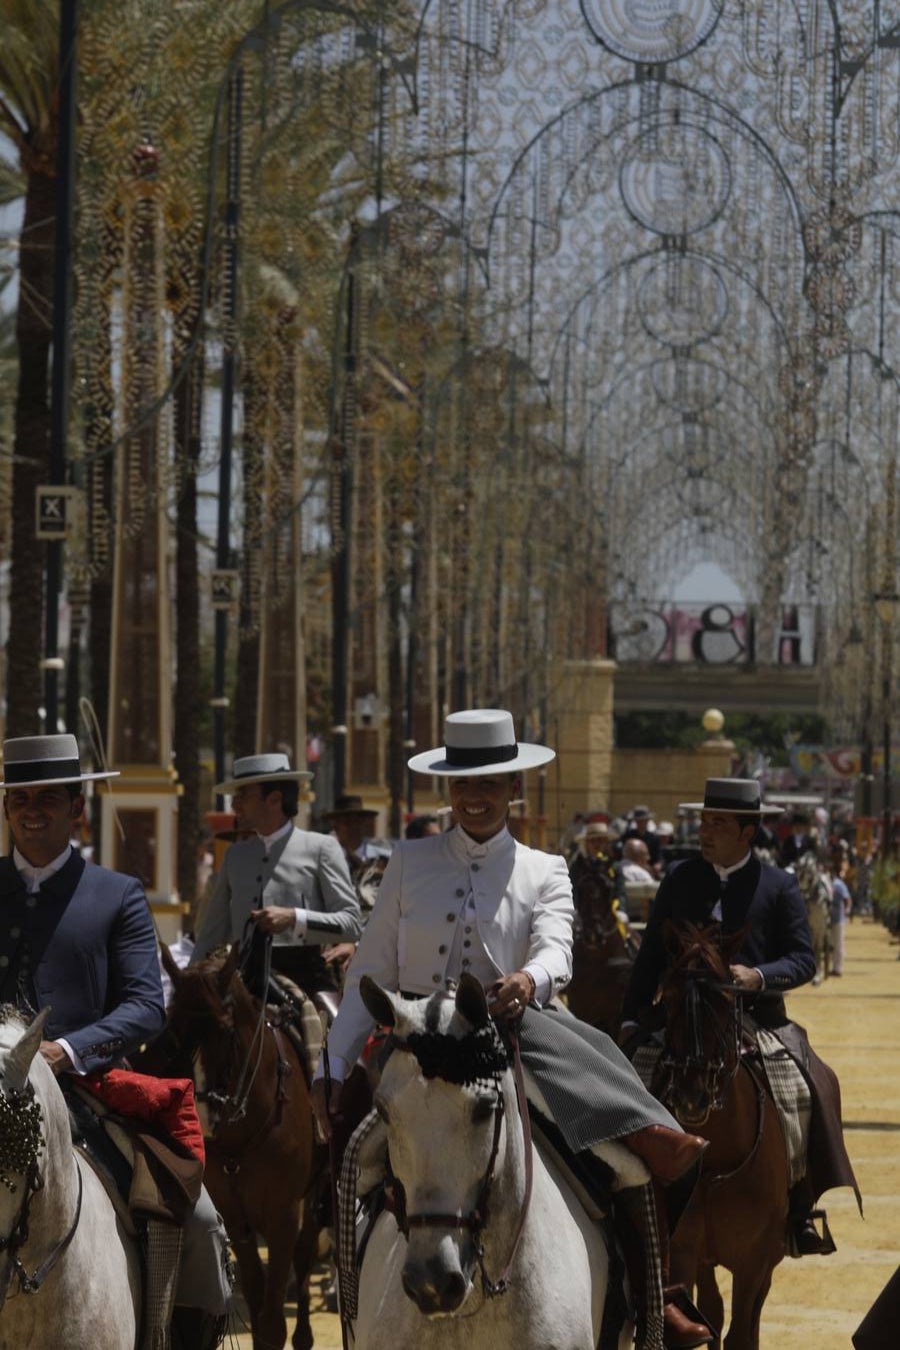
[(854, 1024)]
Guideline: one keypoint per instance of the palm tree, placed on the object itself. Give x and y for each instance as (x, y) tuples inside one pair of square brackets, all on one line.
[(28, 118)]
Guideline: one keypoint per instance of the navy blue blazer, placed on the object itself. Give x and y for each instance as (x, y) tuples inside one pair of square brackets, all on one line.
[(760, 897), (85, 946)]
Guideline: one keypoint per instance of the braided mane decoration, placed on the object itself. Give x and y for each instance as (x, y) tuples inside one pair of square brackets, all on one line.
[(478, 1056), (20, 1123), (20, 1135)]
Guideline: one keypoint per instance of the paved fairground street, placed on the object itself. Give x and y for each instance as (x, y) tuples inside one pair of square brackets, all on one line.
[(854, 1023)]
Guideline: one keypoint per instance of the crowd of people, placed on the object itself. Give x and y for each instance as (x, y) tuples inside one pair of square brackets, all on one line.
[(459, 895)]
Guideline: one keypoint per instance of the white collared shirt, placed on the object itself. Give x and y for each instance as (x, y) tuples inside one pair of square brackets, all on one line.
[(33, 877), (723, 874)]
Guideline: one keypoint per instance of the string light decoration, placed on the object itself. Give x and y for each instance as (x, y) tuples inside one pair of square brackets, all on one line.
[(537, 307)]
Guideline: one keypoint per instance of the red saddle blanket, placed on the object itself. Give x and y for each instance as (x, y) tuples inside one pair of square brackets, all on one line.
[(166, 1103)]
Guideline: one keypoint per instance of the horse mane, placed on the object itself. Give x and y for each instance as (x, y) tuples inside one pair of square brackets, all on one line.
[(461, 1053), (10, 1013), (694, 945), (462, 1060)]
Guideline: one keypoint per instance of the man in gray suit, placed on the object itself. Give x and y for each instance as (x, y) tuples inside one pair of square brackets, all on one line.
[(283, 882)]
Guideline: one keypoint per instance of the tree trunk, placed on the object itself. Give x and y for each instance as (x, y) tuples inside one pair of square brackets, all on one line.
[(246, 694), (31, 450), (188, 401)]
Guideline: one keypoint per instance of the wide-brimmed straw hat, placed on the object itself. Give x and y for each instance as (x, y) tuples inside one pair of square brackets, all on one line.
[(45, 761), (737, 796), (260, 769), (479, 742)]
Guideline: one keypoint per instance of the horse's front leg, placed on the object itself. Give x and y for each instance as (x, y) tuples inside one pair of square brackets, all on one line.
[(281, 1237), (250, 1271), (748, 1294), (304, 1254), (709, 1298)]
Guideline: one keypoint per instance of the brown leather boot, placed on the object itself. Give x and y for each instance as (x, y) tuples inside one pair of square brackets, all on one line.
[(668, 1153), (680, 1330)]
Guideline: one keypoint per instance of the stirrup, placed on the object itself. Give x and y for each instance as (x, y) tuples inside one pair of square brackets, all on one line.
[(823, 1245)]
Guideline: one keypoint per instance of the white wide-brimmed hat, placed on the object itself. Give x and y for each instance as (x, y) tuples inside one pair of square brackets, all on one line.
[(479, 742), (737, 796), (260, 769), (45, 761)]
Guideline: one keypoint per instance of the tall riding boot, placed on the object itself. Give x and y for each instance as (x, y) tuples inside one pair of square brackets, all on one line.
[(665, 1314), (667, 1153), (685, 1325)]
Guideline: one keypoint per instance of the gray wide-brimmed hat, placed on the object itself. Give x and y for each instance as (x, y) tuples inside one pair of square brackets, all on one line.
[(479, 742), (260, 769), (737, 796), (45, 761)]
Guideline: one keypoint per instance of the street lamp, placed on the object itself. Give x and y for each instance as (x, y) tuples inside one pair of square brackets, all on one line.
[(886, 603)]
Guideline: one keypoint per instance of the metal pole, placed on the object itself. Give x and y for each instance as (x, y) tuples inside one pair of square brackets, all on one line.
[(62, 342), (229, 362)]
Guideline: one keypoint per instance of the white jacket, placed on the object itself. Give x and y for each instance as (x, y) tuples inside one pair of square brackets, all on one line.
[(523, 907)]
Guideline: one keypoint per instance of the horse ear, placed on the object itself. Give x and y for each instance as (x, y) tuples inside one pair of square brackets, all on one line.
[(378, 1002), (229, 968), (170, 965), (471, 1001), (23, 1052)]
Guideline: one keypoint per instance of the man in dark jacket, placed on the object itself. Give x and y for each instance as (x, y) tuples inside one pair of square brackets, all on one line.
[(79, 939), (729, 885)]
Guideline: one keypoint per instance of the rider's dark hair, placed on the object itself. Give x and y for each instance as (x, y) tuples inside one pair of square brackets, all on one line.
[(290, 795)]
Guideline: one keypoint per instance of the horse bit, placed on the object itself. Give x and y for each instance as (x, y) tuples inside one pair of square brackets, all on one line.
[(20, 1145)]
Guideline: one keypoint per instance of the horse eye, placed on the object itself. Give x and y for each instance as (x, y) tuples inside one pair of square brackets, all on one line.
[(483, 1108)]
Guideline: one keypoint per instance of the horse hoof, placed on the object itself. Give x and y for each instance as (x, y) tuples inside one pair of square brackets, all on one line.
[(816, 979)]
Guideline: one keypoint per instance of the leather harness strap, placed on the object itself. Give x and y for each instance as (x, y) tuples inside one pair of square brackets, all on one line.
[(476, 1219)]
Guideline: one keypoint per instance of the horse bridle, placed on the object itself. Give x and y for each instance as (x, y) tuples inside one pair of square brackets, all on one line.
[(720, 1069), (18, 1235), (476, 1219)]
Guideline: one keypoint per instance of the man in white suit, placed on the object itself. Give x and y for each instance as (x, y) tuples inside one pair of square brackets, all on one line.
[(475, 900), (285, 883)]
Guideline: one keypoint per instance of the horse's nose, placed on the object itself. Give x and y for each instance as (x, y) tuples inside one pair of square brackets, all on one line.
[(434, 1287)]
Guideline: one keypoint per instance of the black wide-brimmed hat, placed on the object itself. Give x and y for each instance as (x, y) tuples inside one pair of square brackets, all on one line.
[(260, 769), (349, 804), (45, 761), (479, 742), (737, 796)]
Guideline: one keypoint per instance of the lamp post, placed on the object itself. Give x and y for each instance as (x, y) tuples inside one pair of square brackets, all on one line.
[(886, 603)]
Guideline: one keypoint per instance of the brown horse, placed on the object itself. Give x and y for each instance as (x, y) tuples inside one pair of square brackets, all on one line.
[(602, 957), (706, 1075), (263, 1166)]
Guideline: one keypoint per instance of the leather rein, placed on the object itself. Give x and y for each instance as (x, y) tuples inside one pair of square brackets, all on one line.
[(721, 1071), (475, 1221), (17, 1238)]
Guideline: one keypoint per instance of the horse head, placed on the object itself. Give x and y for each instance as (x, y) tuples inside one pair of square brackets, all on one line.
[(702, 1038), (29, 1124), (442, 1097), (210, 1010)]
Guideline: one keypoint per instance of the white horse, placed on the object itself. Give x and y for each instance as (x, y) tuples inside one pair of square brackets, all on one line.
[(448, 1101), (69, 1275)]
